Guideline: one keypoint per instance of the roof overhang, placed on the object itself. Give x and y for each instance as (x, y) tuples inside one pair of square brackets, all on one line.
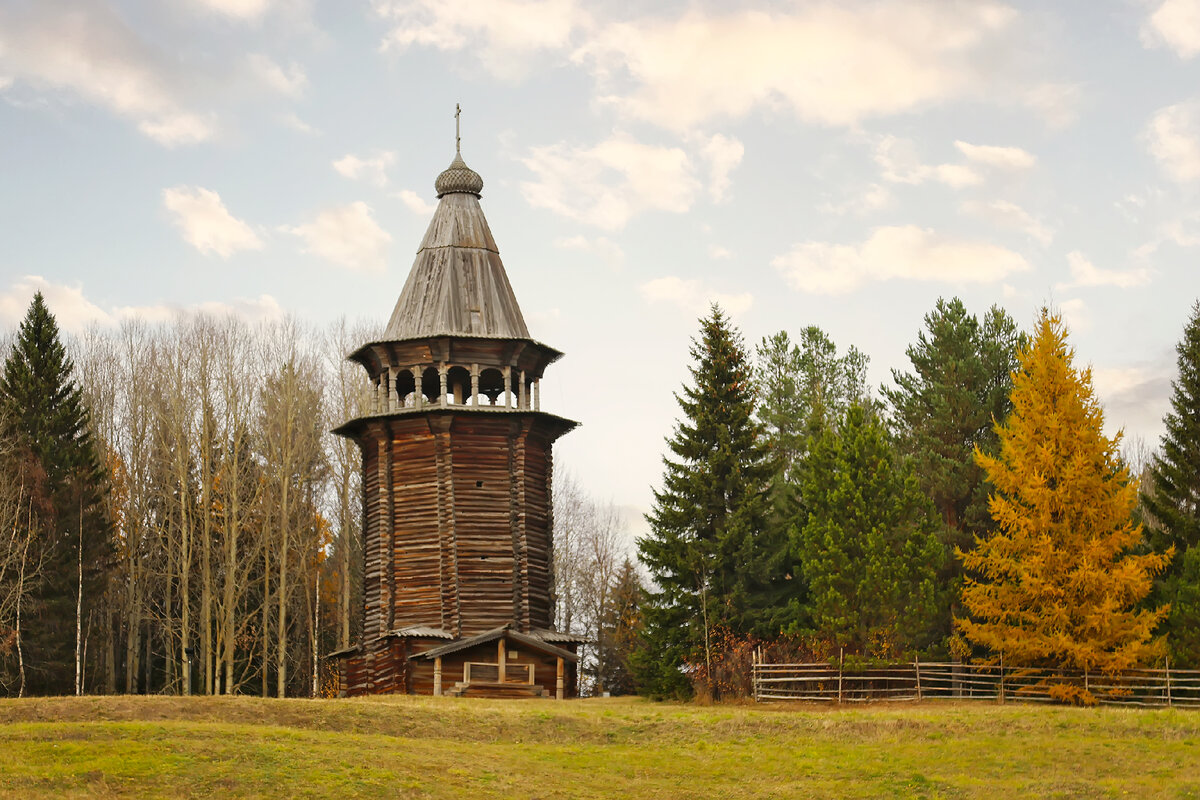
[(523, 639)]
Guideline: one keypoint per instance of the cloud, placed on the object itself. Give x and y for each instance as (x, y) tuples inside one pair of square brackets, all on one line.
[(606, 184), (872, 198), (71, 309), (1176, 24), (416, 203), (1085, 273), (1173, 138), (245, 10), (205, 222), (1135, 397), (898, 160), (608, 250), (373, 170), (290, 81), (693, 296), (1075, 314), (294, 122), (717, 252), (897, 252), (722, 154), (827, 63), (503, 34), (998, 157), (86, 50), (75, 312), (347, 236), (1056, 103), (1009, 215)]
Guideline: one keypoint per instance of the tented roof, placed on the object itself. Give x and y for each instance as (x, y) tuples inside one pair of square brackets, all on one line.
[(457, 285)]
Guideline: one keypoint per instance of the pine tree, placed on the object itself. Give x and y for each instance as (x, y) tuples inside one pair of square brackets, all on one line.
[(49, 418), (1173, 500), (868, 546), (1058, 581), (709, 551), (944, 409)]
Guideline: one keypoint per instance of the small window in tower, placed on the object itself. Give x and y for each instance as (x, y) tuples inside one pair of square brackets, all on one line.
[(476, 321), (478, 484)]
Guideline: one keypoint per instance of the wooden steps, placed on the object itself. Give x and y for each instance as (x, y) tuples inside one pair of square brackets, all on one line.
[(514, 691)]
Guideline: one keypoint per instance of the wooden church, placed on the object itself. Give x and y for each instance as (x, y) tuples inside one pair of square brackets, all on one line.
[(457, 540)]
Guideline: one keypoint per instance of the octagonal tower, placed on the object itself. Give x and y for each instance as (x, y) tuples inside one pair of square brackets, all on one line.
[(457, 473)]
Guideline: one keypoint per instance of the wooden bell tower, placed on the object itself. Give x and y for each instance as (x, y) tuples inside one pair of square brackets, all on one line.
[(457, 475)]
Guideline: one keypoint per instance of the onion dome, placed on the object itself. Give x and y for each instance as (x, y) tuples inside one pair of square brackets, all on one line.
[(458, 177)]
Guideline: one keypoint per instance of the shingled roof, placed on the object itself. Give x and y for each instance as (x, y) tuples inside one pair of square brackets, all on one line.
[(457, 286)]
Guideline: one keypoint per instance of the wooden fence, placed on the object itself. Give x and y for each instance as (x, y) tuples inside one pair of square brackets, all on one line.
[(927, 680)]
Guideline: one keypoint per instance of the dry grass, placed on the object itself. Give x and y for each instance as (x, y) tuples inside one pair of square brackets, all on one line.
[(443, 748)]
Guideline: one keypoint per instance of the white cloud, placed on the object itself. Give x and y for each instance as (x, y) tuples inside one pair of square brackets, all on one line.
[(294, 122), (290, 81), (348, 236), (872, 198), (205, 222), (896, 252), (898, 160), (827, 63), (998, 157), (717, 252), (71, 309), (1075, 313), (5, 82), (86, 50), (369, 169), (723, 154), (1085, 273), (1173, 137), (503, 34), (1056, 103), (416, 203), (608, 250), (693, 296), (1010, 215), (1175, 23), (605, 184), (75, 312), (246, 10)]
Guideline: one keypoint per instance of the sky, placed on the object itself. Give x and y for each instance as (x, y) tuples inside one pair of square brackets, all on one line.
[(839, 164)]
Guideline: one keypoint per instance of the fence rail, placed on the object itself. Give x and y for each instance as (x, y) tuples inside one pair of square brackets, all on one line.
[(933, 680)]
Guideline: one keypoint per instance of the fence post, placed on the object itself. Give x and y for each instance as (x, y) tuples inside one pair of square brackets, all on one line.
[(754, 674), (1001, 696), (1168, 681), (917, 669), (841, 662)]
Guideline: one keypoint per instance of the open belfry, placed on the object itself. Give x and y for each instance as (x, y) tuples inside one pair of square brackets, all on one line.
[(457, 540)]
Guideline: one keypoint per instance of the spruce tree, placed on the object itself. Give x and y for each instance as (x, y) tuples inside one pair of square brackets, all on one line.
[(1058, 583), (712, 556), (868, 546), (48, 418), (1173, 500)]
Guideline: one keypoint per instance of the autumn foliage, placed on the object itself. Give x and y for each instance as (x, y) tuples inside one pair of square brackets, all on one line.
[(1059, 581)]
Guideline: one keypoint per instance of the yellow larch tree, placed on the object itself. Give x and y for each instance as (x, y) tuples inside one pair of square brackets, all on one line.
[(1059, 582)]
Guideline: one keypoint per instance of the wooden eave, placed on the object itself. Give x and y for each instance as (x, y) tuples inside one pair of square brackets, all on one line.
[(532, 642), (525, 354), (352, 428)]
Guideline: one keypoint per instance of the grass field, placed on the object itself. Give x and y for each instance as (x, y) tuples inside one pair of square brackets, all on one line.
[(443, 748)]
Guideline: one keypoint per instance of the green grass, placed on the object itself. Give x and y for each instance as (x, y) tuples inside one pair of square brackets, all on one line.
[(445, 748)]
